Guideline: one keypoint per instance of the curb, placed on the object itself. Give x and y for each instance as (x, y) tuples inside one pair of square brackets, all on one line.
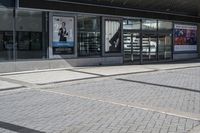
[(12, 88)]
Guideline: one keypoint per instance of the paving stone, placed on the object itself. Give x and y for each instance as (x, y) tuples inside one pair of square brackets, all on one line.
[(100, 106)]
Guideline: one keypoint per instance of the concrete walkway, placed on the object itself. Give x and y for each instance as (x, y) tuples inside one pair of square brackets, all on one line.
[(153, 98), (160, 98), (4, 85)]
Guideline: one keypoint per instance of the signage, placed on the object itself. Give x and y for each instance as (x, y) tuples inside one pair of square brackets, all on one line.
[(63, 35), (185, 38)]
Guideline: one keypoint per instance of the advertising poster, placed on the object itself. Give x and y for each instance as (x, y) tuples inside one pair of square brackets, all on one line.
[(112, 36), (63, 35), (185, 38)]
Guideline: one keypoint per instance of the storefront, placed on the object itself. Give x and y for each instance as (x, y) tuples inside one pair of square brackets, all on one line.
[(40, 34)]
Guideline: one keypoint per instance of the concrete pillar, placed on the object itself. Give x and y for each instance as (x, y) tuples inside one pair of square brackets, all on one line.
[(198, 39)]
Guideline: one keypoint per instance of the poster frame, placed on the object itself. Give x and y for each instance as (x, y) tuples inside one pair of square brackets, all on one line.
[(195, 47), (61, 56)]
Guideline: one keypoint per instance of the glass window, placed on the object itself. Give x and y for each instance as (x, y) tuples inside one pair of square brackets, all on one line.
[(113, 36), (6, 34), (131, 24), (89, 35), (165, 46), (164, 25), (149, 47), (149, 24), (29, 35)]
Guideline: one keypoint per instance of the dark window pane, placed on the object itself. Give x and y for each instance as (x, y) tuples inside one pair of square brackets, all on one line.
[(6, 35), (89, 35), (29, 35)]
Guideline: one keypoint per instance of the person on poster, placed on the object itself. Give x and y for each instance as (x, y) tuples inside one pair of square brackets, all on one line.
[(63, 33), (180, 37)]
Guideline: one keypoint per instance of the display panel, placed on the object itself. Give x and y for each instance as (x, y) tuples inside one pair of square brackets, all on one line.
[(63, 35), (112, 36), (185, 37)]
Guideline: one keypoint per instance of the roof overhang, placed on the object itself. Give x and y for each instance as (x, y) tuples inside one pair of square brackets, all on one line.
[(99, 7)]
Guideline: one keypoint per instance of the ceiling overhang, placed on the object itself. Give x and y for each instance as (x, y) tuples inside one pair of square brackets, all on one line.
[(100, 7)]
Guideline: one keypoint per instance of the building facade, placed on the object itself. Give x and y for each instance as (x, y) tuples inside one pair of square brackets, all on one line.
[(48, 34)]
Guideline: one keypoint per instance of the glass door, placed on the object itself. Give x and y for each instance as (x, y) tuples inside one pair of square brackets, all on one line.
[(165, 46), (149, 47), (131, 47)]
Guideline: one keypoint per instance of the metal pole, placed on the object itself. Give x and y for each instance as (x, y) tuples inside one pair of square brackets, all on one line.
[(172, 46), (141, 37), (132, 58), (157, 42), (14, 30)]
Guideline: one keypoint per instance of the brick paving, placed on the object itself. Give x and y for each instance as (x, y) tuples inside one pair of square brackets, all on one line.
[(106, 105), (152, 95)]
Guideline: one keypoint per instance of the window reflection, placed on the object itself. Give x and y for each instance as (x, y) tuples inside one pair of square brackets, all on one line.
[(29, 34), (89, 35), (149, 24), (165, 46), (6, 35), (164, 25), (131, 24)]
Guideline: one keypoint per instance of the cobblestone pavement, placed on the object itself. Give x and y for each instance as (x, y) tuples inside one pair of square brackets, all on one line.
[(176, 90), (155, 102)]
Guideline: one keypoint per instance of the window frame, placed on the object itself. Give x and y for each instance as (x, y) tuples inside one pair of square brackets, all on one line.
[(50, 47)]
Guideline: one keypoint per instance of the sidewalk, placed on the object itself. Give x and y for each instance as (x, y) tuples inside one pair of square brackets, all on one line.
[(64, 75), (160, 98)]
